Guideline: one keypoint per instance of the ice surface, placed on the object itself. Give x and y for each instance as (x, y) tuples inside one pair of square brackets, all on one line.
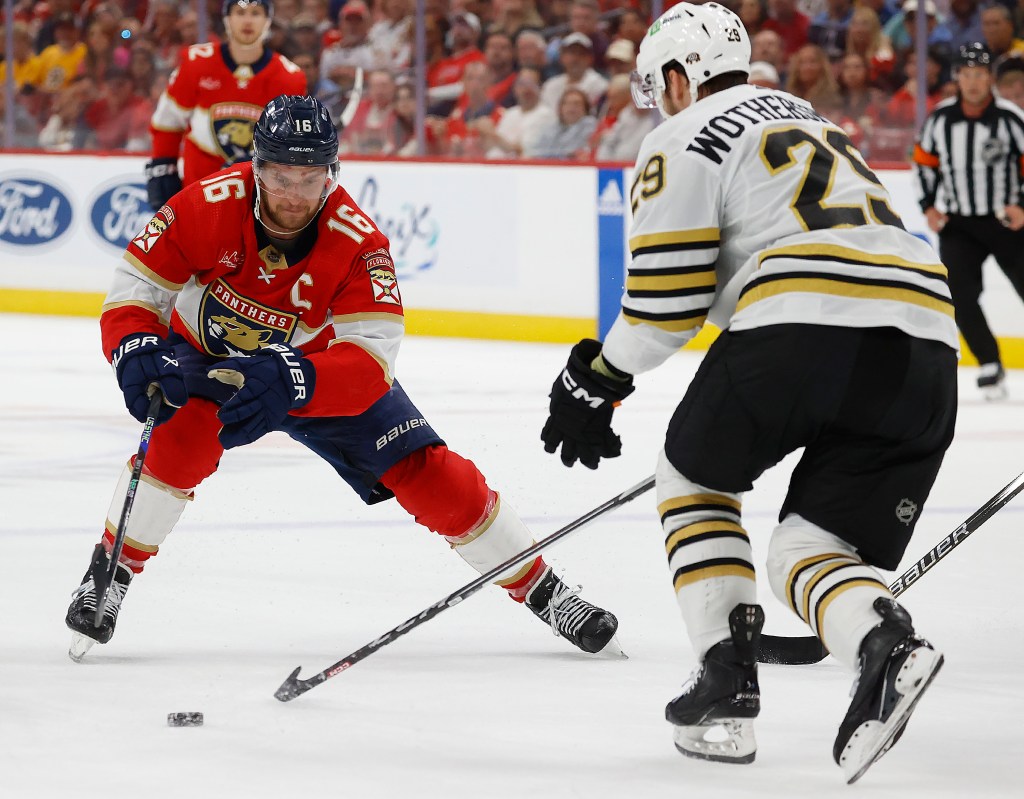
[(278, 564)]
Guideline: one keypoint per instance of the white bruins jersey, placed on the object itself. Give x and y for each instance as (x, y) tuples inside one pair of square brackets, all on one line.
[(750, 209)]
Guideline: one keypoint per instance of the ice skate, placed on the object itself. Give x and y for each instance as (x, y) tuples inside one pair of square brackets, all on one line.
[(896, 666), (586, 626), (714, 715), (992, 382), (82, 612)]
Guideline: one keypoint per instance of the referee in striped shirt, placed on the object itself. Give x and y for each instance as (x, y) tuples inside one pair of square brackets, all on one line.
[(971, 157)]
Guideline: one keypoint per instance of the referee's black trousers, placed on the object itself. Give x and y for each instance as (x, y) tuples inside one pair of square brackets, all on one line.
[(964, 244)]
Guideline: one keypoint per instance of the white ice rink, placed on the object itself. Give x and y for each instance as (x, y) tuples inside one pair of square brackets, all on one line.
[(278, 564)]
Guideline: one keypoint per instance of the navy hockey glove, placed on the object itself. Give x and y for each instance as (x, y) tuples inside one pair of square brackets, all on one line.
[(273, 381), (582, 401), (141, 360), (162, 181)]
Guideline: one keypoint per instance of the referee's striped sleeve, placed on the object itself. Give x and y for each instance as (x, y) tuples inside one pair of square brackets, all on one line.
[(926, 164)]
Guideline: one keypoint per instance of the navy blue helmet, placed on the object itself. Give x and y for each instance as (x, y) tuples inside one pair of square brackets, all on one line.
[(267, 4), (974, 54), (296, 131)]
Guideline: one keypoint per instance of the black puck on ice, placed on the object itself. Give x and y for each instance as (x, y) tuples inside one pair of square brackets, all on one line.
[(184, 719)]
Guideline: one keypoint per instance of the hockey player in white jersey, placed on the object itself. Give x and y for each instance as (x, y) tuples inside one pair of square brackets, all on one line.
[(753, 212)]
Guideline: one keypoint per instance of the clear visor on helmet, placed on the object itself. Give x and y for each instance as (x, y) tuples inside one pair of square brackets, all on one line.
[(644, 90), (289, 182)]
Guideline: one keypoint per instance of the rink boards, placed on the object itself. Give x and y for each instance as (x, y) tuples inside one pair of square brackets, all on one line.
[(504, 251)]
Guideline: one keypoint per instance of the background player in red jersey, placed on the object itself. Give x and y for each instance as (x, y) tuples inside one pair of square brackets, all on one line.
[(215, 97), (260, 299)]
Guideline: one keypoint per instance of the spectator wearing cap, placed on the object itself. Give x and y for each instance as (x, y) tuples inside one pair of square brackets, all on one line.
[(352, 52), (997, 28), (585, 18), (902, 28), (568, 137), (789, 23), (763, 74), (391, 35), (531, 51), (576, 58), (303, 38), (828, 28), (621, 126), (119, 117), (60, 62), (520, 124), (444, 79), (56, 12), (620, 58)]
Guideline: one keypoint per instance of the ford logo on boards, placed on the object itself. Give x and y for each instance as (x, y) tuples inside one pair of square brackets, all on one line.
[(33, 211), (119, 212)]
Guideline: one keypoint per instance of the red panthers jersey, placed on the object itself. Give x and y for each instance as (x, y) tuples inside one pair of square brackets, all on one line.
[(204, 266), (217, 102)]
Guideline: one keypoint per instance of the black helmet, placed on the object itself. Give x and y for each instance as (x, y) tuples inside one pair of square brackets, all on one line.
[(296, 131), (267, 4), (974, 54)]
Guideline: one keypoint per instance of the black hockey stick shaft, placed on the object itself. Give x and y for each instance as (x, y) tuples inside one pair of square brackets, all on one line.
[(808, 649), (295, 686), (104, 569)]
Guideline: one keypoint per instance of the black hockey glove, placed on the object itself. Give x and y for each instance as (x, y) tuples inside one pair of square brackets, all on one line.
[(582, 402), (141, 360), (162, 181), (275, 380)]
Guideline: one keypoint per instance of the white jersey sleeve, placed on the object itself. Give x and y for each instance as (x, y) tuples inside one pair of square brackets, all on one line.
[(671, 280)]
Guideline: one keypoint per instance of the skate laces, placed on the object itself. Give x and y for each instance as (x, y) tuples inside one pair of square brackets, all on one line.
[(115, 596), (567, 611)]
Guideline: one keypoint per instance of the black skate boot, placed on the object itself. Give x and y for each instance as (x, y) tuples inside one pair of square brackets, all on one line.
[(82, 612), (992, 381), (896, 666), (587, 626), (714, 715)]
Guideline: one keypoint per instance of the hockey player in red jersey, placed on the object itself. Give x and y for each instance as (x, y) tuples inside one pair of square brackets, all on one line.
[(261, 298), (214, 98)]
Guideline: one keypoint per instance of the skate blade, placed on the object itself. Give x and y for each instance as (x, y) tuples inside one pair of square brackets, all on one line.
[(721, 741), (612, 650), (80, 645), (996, 393), (873, 739)]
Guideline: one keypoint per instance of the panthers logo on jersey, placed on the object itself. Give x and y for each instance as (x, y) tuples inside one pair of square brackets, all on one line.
[(232, 125), (231, 324)]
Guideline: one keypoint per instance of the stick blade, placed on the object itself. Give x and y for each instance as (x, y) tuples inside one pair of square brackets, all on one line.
[(292, 688)]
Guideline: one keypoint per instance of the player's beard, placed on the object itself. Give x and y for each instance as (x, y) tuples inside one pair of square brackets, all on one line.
[(284, 219)]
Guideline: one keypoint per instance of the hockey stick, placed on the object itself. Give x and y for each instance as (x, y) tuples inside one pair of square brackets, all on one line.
[(806, 650), (295, 686), (103, 570)]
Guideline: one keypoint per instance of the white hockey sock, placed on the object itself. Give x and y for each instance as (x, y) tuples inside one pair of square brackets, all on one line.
[(709, 554), (821, 578), (498, 537), (155, 511)]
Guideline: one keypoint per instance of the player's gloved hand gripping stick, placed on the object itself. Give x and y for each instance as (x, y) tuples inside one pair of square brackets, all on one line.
[(271, 382), (582, 403)]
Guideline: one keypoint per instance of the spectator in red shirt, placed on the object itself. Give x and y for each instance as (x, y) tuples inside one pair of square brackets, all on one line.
[(789, 23), (119, 118), (499, 55), (900, 111), (461, 133), (444, 79)]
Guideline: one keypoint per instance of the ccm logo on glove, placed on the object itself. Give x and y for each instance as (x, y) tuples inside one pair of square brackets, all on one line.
[(578, 392)]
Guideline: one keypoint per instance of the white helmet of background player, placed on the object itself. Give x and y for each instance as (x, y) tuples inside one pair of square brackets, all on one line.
[(703, 41), (225, 12)]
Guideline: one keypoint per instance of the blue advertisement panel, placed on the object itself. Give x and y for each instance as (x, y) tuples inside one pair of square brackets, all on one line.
[(611, 245)]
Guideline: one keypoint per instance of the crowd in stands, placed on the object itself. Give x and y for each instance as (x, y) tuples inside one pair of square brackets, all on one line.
[(505, 79)]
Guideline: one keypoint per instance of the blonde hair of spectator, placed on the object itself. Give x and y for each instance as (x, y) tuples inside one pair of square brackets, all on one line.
[(810, 76), (513, 16), (864, 34)]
